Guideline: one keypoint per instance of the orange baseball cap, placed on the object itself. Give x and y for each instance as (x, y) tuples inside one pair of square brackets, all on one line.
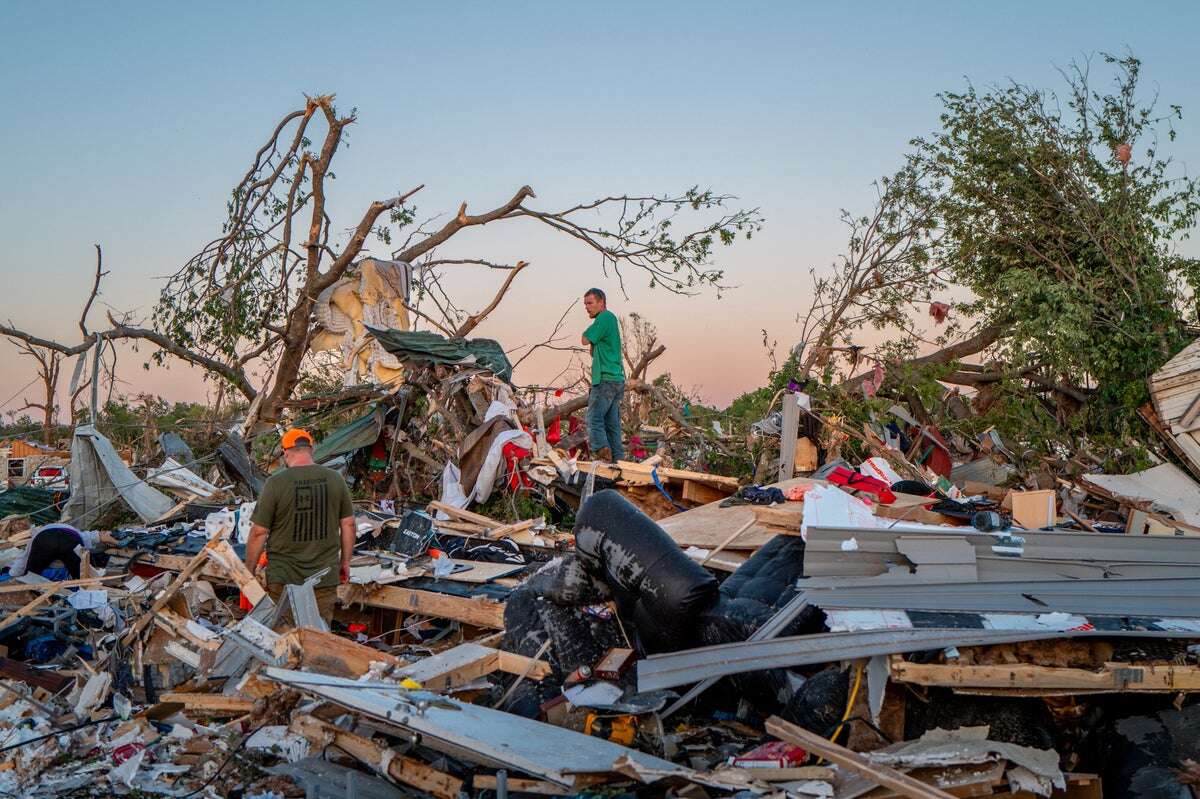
[(297, 436)]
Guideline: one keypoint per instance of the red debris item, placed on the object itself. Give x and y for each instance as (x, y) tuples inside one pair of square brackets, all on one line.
[(856, 481), (355, 628), (512, 455), (636, 449), (123, 753), (1124, 153), (939, 311), (243, 602), (774, 754)]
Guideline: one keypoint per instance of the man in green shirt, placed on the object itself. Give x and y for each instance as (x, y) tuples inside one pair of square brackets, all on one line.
[(608, 379), (305, 522)]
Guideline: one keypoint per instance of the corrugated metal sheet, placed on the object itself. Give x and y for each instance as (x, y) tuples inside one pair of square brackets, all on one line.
[(693, 665)]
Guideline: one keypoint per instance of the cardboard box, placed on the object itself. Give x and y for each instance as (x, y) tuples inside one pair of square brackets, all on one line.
[(1034, 510)]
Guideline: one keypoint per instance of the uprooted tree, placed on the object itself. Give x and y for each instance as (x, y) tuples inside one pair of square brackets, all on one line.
[(1049, 227), (246, 299)]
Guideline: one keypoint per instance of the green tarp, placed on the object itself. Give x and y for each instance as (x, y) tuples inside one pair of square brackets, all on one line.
[(424, 347), (40, 505), (358, 434)]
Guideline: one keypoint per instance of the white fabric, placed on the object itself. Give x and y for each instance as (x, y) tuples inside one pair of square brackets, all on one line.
[(452, 490), (486, 480)]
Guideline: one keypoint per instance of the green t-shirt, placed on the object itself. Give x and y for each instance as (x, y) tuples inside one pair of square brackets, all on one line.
[(303, 508), (605, 337)]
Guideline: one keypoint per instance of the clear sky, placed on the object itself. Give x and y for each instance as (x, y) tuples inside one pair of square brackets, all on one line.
[(127, 124)]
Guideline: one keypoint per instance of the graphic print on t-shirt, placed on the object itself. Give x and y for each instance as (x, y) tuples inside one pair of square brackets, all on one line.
[(311, 501)]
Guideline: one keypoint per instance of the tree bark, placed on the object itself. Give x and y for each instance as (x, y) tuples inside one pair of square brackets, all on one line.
[(977, 343)]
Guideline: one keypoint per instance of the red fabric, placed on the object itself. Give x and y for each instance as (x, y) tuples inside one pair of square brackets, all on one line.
[(841, 476), (512, 455), (939, 311)]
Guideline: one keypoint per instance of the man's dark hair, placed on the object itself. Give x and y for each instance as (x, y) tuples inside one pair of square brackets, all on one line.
[(598, 294)]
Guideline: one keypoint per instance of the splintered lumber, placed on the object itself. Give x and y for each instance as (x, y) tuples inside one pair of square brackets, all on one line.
[(852, 761), (489, 782), (327, 653), (476, 611), (511, 529), (222, 554), (1111, 677), (167, 594), (468, 662), (401, 768), (464, 515), (214, 704), (633, 473)]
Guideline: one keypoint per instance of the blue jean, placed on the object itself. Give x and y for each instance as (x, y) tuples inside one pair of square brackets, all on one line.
[(604, 417)]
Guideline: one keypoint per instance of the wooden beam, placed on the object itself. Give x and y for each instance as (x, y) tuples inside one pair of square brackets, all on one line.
[(331, 654), (468, 662), (1134, 678), (464, 515), (852, 761), (399, 767), (488, 782), (701, 494), (476, 611), (216, 704)]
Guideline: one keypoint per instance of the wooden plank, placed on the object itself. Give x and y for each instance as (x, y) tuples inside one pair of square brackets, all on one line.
[(463, 515), (16, 586), (523, 665), (823, 773), (701, 494), (852, 761), (401, 768), (39, 678), (28, 609), (331, 654), (216, 704), (1114, 676), (488, 782), (710, 524), (476, 611), (460, 665), (633, 473), (510, 529)]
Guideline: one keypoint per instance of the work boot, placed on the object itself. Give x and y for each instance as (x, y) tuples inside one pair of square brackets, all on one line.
[(605, 455)]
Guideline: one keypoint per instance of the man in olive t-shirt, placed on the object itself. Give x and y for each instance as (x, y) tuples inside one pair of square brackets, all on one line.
[(305, 521), (608, 379)]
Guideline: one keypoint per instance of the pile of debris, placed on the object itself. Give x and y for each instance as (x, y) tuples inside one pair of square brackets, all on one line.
[(914, 625)]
